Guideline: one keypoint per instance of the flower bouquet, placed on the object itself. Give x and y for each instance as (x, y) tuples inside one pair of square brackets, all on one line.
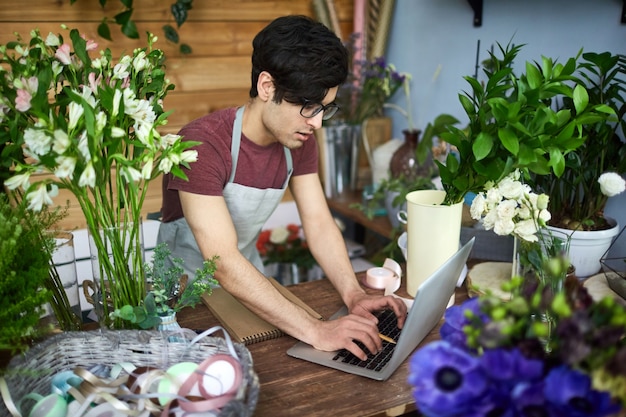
[(90, 123), (492, 359), (284, 244), (362, 96)]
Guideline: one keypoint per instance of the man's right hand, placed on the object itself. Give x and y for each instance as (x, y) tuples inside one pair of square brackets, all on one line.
[(344, 331)]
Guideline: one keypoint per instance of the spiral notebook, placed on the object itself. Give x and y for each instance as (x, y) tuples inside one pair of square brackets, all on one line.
[(242, 324)]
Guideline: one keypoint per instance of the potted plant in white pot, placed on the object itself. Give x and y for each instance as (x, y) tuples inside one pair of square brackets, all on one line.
[(593, 171), (514, 123)]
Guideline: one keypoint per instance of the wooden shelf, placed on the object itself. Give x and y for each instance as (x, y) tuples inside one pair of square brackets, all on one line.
[(343, 205)]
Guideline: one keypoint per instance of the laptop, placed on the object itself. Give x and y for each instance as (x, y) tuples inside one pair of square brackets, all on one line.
[(427, 310)]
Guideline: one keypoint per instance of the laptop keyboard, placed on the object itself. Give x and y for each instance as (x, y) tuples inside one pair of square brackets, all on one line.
[(388, 326)]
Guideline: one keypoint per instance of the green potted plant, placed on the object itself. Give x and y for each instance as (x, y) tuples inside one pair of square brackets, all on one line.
[(594, 171), (170, 290), (515, 122)]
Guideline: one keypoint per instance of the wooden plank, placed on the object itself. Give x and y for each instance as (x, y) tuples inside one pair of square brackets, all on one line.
[(211, 39), (144, 10)]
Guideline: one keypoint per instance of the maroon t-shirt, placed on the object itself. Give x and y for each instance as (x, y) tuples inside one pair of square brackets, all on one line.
[(258, 166)]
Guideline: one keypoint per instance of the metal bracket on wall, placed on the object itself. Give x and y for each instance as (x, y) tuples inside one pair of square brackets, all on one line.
[(477, 6), (623, 11)]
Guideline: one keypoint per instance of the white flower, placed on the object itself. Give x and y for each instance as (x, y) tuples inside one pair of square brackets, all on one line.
[(478, 207), (83, 146), (76, 111), (146, 171), (511, 189), (121, 70), (169, 140), (17, 181), (52, 40), (61, 141), (279, 235), (117, 99), (117, 132), (526, 229), (37, 141), (40, 196), (65, 167), (507, 210), (189, 156), (542, 201), (131, 174), (611, 184), (88, 177), (140, 62), (165, 165)]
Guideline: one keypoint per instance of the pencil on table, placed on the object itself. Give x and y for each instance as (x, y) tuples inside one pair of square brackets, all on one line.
[(386, 338)]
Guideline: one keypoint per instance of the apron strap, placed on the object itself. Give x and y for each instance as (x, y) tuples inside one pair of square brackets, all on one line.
[(236, 142)]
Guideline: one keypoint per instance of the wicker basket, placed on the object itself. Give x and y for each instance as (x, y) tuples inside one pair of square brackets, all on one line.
[(33, 371)]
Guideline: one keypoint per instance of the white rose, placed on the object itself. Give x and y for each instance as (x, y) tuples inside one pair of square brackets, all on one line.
[(506, 210), (279, 235), (511, 189), (526, 230), (478, 207), (611, 184)]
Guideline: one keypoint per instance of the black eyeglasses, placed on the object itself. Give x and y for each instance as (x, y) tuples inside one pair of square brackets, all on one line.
[(311, 109)]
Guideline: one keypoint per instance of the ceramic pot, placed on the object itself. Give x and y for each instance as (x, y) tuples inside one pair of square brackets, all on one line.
[(587, 247), (433, 234), (404, 160)]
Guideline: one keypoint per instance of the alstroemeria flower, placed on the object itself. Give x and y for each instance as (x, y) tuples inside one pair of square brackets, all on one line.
[(611, 184), (65, 167), (61, 141), (75, 112), (63, 54), (446, 380), (40, 196), (18, 181), (37, 141), (22, 101), (88, 177)]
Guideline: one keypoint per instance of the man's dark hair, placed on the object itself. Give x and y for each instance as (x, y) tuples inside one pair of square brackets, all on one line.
[(303, 56)]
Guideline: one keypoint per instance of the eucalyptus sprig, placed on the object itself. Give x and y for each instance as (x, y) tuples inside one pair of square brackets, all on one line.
[(171, 291)]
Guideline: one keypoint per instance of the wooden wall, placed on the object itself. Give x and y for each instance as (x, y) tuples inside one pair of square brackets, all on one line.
[(215, 75)]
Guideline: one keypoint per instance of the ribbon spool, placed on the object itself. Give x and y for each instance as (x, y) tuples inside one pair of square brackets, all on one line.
[(388, 278)]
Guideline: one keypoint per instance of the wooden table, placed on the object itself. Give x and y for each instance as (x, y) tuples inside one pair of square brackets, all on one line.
[(293, 387)]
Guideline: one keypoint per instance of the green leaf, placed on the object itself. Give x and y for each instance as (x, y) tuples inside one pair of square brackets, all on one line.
[(170, 33), (509, 140), (104, 31), (185, 49), (581, 98), (179, 11), (123, 17), (80, 47), (482, 146), (127, 3), (533, 75), (130, 30)]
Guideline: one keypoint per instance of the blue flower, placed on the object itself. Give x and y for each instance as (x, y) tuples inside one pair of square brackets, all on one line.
[(447, 381), (456, 317), (529, 400), (509, 367), (571, 393)]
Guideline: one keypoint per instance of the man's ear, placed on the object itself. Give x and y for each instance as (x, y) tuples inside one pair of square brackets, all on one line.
[(265, 86)]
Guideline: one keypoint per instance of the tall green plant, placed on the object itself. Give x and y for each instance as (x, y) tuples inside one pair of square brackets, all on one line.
[(515, 122), (576, 198), (26, 245)]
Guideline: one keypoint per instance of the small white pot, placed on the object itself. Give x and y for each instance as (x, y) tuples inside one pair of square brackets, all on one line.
[(587, 247)]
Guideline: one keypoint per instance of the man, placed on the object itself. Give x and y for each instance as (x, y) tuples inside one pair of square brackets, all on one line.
[(246, 158)]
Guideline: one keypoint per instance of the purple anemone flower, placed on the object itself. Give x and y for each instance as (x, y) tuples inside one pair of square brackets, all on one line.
[(456, 317), (447, 381), (571, 393), (509, 367), (530, 402)]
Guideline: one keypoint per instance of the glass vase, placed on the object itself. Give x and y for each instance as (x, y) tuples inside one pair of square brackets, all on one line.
[(544, 262), (63, 284), (117, 261), (290, 273)]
